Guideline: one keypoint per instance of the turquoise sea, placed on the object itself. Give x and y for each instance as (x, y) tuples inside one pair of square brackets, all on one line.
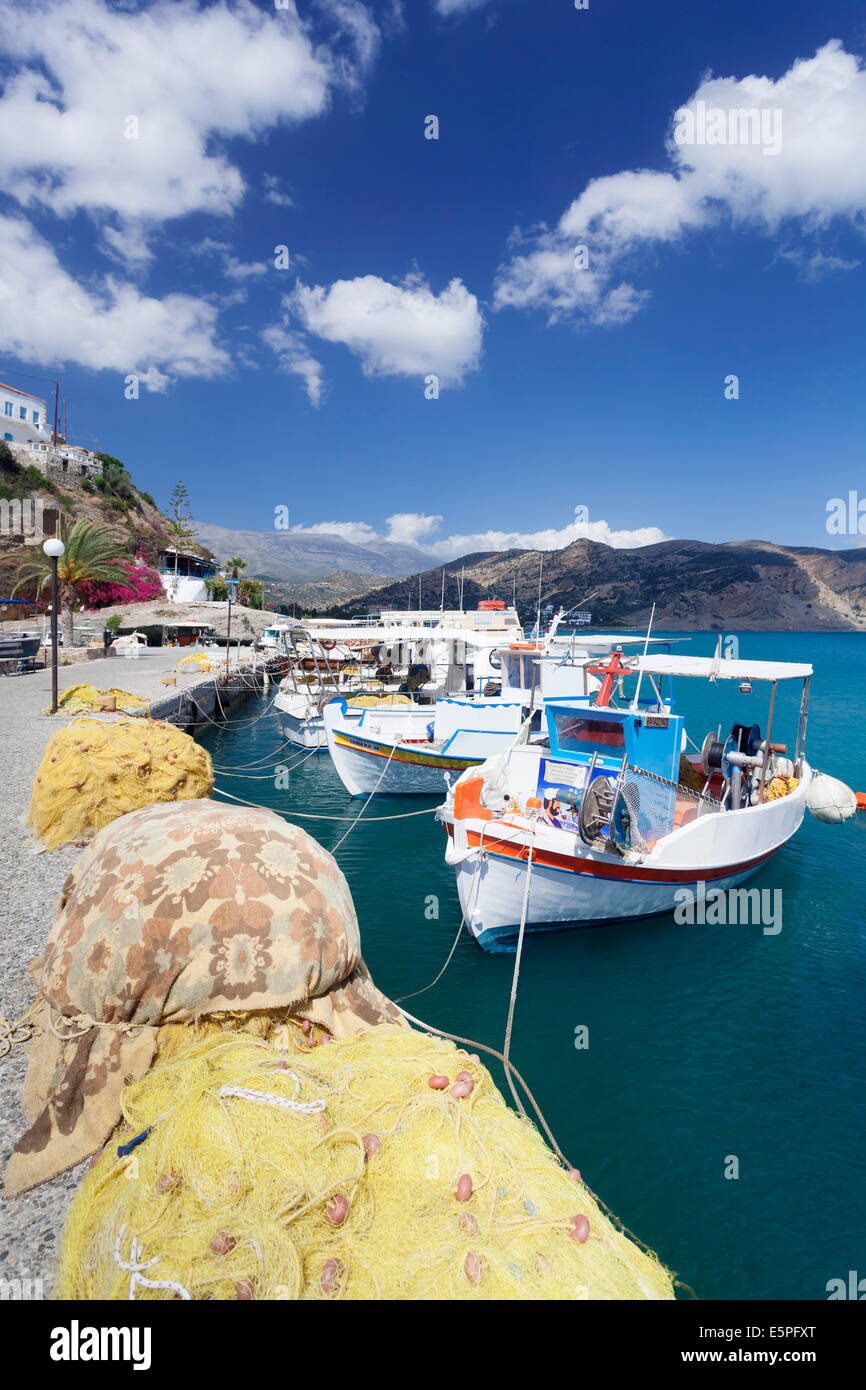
[(705, 1042)]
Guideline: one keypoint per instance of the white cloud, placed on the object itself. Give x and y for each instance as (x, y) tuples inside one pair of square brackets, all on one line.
[(124, 112), (415, 528), (396, 329), (48, 318), (354, 23), (449, 7), (411, 528), (188, 76), (815, 176), (245, 270), (295, 358), (551, 538), (274, 193)]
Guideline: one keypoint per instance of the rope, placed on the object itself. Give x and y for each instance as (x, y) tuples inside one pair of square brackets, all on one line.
[(416, 992), (369, 799), (311, 815), (255, 762), (134, 1266), (512, 1003), (301, 1107), (268, 776), (19, 1030)]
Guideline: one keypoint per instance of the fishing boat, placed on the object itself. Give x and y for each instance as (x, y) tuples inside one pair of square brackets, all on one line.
[(403, 658), (416, 750), (604, 818)]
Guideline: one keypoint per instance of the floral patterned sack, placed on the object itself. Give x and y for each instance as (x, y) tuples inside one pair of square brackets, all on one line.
[(173, 912)]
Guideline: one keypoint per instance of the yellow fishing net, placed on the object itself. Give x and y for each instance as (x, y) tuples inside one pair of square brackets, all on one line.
[(84, 699), (94, 771), (278, 1169), (379, 701), (196, 661)]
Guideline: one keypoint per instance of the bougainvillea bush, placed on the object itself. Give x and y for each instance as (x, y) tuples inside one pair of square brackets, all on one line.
[(144, 583)]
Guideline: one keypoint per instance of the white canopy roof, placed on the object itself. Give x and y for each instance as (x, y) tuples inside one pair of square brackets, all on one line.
[(717, 668), (391, 636)]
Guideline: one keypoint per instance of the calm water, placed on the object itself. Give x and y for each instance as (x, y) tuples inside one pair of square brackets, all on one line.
[(704, 1041)]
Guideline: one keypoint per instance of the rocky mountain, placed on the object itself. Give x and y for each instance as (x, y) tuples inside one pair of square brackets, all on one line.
[(739, 584), (331, 591), (300, 558)]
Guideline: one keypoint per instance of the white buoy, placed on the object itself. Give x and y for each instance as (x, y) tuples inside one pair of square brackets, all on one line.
[(830, 800)]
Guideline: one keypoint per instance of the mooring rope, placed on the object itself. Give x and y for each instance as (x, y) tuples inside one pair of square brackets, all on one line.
[(312, 815), (369, 799)]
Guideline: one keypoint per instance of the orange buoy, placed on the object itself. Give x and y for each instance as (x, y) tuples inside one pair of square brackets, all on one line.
[(861, 801)]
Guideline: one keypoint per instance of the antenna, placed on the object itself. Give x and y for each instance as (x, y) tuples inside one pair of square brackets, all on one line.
[(538, 609), (645, 646)]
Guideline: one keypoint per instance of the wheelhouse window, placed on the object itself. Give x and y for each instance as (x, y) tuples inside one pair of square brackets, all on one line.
[(578, 733)]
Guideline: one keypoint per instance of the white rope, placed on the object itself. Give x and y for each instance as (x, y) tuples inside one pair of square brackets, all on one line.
[(267, 776), (135, 1265), (512, 1003), (312, 815), (302, 1107), (394, 748)]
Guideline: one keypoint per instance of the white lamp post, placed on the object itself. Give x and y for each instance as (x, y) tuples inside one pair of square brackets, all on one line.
[(53, 548), (232, 583)]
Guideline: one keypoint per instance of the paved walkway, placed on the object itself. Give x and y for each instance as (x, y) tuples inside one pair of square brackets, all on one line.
[(30, 882)]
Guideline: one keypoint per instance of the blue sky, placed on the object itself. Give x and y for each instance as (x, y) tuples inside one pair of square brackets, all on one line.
[(601, 387)]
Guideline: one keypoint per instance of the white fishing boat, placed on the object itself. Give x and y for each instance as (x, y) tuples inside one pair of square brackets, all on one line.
[(418, 749), (603, 819), (404, 657)]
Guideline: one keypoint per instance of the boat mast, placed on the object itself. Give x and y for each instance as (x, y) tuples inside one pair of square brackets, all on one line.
[(634, 704)]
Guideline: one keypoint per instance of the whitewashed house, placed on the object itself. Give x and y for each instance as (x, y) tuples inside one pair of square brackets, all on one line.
[(23, 418)]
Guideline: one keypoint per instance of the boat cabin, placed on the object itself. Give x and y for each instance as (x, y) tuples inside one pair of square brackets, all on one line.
[(186, 634)]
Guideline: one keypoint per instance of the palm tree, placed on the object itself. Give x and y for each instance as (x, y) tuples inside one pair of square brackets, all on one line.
[(93, 555), (235, 563)]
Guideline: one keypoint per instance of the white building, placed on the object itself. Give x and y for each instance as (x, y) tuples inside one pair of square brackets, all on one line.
[(23, 418), (183, 576)]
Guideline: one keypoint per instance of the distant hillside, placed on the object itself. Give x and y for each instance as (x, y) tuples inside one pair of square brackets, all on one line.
[(331, 591), (741, 584), (299, 558)]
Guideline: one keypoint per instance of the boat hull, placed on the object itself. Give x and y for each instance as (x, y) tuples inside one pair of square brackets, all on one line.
[(300, 722), (573, 886), (365, 766), (491, 890)]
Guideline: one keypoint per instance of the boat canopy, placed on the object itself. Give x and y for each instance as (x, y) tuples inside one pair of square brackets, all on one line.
[(717, 668)]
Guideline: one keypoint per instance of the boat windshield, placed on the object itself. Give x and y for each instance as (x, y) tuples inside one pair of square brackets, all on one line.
[(581, 733)]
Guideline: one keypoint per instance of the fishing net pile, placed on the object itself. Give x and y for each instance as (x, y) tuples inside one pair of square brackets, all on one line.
[(85, 699), (195, 662), (378, 701), (279, 1169), (204, 1008), (94, 771)]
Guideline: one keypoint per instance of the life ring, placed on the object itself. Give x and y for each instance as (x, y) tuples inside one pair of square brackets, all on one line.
[(525, 646), (327, 644)]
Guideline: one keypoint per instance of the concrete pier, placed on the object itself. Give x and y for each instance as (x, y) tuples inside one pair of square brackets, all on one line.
[(31, 881)]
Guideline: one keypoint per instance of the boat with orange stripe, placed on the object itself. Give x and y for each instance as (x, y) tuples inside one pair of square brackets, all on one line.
[(606, 816)]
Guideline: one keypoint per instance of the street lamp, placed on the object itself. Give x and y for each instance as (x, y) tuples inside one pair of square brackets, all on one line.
[(232, 583), (53, 548)]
